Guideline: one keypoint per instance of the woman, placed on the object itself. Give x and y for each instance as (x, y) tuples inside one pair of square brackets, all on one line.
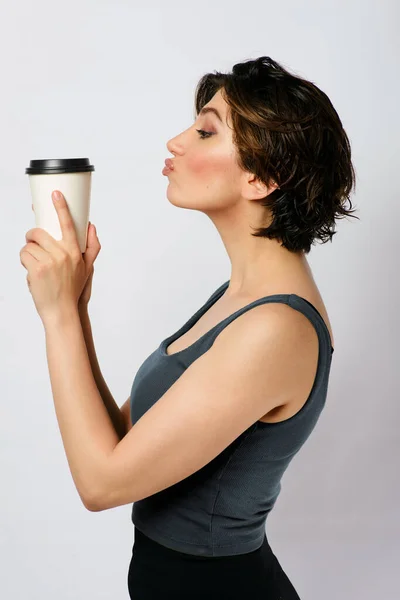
[(267, 151), (217, 412)]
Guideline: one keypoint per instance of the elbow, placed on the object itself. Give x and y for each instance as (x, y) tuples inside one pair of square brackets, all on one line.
[(93, 494), (97, 504), (92, 504)]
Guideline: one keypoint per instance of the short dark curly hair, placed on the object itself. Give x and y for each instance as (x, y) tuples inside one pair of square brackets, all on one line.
[(286, 130)]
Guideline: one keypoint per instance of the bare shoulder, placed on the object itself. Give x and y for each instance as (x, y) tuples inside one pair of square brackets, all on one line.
[(282, 345), (275, 320)]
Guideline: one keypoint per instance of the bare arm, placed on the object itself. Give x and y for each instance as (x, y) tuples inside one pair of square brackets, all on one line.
[(118, 416), (126, 413), (86, 428)]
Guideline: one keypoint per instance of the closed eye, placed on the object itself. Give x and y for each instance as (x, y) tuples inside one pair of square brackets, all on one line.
[(204, 134)]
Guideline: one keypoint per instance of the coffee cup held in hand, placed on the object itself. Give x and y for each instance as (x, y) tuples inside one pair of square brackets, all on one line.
[(73, 177)]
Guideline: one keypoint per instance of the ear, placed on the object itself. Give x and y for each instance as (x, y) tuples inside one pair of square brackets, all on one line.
[(255, 189)]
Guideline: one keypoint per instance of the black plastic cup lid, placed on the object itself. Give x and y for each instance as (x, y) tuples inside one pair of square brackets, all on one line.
[(48, 166)]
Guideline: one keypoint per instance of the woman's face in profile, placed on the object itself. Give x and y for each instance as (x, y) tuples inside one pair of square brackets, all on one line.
[(206, 175)]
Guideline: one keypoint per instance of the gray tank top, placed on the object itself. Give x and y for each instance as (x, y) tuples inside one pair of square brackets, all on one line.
[(221, 509)]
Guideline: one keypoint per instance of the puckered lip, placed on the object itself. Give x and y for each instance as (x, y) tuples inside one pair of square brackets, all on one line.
[(169, 163)]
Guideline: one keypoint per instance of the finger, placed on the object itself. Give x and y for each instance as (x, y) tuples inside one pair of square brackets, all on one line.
[(37, 252), (44, 240), (67, 225), (27, 260), (93, 247)]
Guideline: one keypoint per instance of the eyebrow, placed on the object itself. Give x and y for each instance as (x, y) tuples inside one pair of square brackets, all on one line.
[(210, 109)]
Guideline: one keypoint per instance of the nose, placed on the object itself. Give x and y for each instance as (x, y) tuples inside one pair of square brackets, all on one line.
[(172, 146), (176, 144)]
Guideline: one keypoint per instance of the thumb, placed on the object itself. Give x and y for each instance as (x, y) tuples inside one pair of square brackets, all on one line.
[(93, 246)]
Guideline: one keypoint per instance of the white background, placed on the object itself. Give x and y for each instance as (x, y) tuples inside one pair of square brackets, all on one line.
[(114, 81)]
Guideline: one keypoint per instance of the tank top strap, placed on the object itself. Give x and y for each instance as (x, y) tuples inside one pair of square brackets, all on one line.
[(294, 301), (215, 295)]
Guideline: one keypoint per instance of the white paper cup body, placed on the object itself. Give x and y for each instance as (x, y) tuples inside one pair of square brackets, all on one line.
[(76, 188)]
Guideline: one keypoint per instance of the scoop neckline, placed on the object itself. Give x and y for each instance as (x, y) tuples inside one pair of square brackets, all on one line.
[(212, 300)]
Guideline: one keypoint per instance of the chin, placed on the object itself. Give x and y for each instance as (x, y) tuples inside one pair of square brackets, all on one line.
[(174, 198), (201, 204)]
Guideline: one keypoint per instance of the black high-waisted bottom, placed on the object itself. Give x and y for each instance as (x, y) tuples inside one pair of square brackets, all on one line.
[(160, 573)]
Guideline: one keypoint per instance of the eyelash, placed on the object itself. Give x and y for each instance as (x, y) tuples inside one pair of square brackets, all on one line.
[(204, 134)]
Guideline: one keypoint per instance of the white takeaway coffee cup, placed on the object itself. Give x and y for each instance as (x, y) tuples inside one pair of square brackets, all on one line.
[(73, 178)]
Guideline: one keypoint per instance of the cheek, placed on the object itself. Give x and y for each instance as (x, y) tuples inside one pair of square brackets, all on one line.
[(209, 166)]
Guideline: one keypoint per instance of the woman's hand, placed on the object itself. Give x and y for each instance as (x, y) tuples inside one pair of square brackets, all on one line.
[(93, 248), (57, 270)]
